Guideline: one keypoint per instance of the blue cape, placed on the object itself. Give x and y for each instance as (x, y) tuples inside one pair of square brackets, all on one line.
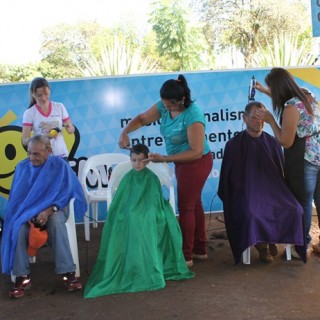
[(33, 190)]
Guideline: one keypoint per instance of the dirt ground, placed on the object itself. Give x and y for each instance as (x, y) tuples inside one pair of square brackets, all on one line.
[(220, 290)]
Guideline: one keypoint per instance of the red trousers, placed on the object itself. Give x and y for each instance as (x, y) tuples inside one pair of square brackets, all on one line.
[(191, 177)]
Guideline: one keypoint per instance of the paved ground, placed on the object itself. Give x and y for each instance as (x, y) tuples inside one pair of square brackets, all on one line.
[(220, 290)]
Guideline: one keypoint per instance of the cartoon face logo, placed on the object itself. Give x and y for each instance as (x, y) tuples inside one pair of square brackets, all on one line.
[(12, 150), (11, 153)]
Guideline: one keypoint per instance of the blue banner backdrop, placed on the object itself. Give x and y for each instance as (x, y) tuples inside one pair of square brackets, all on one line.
[(100, 108), (315, 15)]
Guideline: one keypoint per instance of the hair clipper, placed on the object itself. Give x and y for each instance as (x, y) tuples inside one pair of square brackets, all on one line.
[(252, 89)]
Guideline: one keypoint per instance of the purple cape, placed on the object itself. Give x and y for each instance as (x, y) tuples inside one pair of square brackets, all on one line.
[(33, 190), (258, 205)]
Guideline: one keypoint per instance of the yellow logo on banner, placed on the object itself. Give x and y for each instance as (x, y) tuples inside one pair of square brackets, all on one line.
[(12, 150), (311, 75)]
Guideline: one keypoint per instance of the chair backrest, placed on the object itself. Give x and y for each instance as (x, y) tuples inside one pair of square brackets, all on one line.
[(72, 236), (97, 170), (162, 170)]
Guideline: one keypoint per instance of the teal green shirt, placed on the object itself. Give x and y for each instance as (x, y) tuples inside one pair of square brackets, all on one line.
[(174, 130)]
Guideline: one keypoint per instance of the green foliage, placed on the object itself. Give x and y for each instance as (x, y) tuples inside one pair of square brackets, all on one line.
[(246, 23), (64, 47), (16, 73), (88, 49), (181, 46), (176, 42), (286, 50), (117, 57)]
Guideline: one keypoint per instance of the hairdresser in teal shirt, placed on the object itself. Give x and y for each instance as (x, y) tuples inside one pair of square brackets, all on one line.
[(183, 129)]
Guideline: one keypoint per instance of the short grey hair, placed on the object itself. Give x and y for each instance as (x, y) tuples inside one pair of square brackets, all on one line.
[(40, 139)]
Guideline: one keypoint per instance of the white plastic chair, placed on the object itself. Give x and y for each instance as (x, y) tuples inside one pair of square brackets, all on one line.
[(97, 168), (72, 236), (246, 254), (162, 170)]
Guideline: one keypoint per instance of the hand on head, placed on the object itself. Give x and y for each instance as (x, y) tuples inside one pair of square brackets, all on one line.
[(260, 87), (264, 115), (156, 157)]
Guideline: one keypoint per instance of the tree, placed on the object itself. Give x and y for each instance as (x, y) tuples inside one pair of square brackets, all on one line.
[(245, 23), (65, 46), (16, 73), (89, 49), (181, 46)]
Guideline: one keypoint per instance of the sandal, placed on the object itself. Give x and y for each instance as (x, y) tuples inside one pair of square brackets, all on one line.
[(72, 282), (21, 285), (316, 248)]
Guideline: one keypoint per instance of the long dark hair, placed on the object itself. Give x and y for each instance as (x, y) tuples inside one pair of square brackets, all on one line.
[(283, 87), (35, 84), (176, 89)]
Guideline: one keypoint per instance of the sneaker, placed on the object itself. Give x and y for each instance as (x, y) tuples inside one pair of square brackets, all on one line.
[(273, 249), (265, 256), (22, 284), (316, 248), (189, 263), (199, 256), (72, 282)]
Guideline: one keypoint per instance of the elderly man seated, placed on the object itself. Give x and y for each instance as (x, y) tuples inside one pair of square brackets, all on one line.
[(42, 187), (259, 208)]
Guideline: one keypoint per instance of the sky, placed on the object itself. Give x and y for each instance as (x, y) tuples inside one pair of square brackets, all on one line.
[(21, 21)]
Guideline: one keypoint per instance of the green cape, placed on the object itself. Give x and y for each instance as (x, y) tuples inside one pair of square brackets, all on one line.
[(141, 243)]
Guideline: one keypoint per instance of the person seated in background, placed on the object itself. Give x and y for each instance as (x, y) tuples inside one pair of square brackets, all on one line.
[(259, 208), (42, 187), (141, 243)]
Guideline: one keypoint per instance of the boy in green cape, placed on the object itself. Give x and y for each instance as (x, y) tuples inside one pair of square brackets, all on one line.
[(141, 244)]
